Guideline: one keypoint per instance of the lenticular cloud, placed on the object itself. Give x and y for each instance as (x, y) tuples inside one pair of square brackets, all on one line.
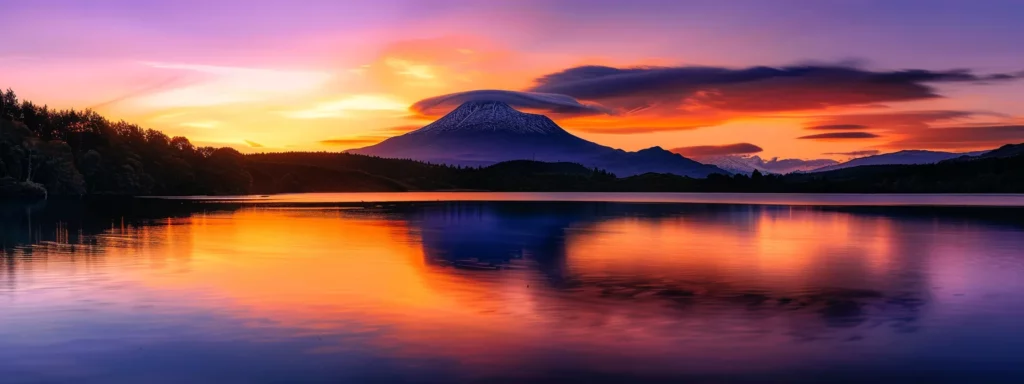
[(547, 103)]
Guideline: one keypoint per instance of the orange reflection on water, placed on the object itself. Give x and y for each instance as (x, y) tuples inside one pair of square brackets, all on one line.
[(782, 250), (315, 271), (525, 289), (320, 271)]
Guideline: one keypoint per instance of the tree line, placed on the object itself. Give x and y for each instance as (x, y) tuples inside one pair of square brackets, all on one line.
[(50, 152)]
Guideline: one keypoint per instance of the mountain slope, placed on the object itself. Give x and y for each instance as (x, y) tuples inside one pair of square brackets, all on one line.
[(1008, 150), (485, 132), (895, 158)]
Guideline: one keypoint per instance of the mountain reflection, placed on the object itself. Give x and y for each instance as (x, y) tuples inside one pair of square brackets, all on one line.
[(479, 236), (525, 286)]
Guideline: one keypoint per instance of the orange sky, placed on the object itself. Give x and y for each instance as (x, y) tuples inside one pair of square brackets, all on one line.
[(334, 77)]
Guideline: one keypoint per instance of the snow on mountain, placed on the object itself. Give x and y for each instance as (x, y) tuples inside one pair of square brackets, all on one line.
[(487, 132), (748, 164), (491, 116)]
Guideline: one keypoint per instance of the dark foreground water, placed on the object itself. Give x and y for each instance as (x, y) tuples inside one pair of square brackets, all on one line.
[(192, 292)]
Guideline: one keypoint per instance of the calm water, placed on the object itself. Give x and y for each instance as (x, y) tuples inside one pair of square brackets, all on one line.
[(834, 199), (183, 291)]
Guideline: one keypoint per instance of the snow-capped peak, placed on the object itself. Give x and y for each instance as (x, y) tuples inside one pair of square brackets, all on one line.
[(490, 116)]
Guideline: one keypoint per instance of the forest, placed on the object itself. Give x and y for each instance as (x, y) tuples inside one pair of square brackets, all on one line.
[(46, 153)]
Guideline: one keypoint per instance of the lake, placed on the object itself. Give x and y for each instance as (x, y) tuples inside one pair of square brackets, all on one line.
[(449, 288)]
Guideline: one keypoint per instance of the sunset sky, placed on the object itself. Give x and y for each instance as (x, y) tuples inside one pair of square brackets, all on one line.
[(803, 79)]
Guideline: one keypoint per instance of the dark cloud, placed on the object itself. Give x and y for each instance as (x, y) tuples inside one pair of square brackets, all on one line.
[(840, 136), (757, 89), (869, 152), (837, 127), (718, 150), (932, 129), (546, 103), (627, 130), (894, 121), (253, 144)]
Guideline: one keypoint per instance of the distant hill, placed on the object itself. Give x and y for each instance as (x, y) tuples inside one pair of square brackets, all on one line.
[(342, 172), (895, 158), (973, 175), (335, 172), (313, 171), (486, 132), (1008, 150), (533, 168), (269, 177)]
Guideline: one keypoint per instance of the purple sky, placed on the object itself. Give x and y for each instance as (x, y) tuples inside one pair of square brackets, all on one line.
[(235, 71)]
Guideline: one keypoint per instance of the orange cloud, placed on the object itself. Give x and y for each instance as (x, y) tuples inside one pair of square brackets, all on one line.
[(839, 127), (926, 129), (426, 67), (548, 104), (718, 150), (221, 85), (348, 105), (637, 122), (400, 129), (753, 89), (966, 137), (840, 136), (866, 152), (893, 121), (352, 142)]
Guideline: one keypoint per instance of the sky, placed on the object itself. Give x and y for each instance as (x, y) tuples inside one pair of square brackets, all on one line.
[(790, 79)]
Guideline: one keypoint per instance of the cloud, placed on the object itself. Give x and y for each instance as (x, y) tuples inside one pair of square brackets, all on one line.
[(628, 130), (641, 100), (400, 129), (253, 144), (205, 124), (840, 136), (892, 121), (754, 89), (546, 103), (837, 127), (353, 141), (160, 84), (410, 69), (444, 64), (933, 129), (869, 152), (227, 85), (964, 137), (718, 150), (347, 105)]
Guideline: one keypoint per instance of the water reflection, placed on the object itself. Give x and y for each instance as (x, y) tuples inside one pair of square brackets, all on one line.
[(512, 291)]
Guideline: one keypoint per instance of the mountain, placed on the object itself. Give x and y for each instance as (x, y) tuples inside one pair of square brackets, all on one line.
[(896, 158), (1008, 150), (480, 133), (748, 164)]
